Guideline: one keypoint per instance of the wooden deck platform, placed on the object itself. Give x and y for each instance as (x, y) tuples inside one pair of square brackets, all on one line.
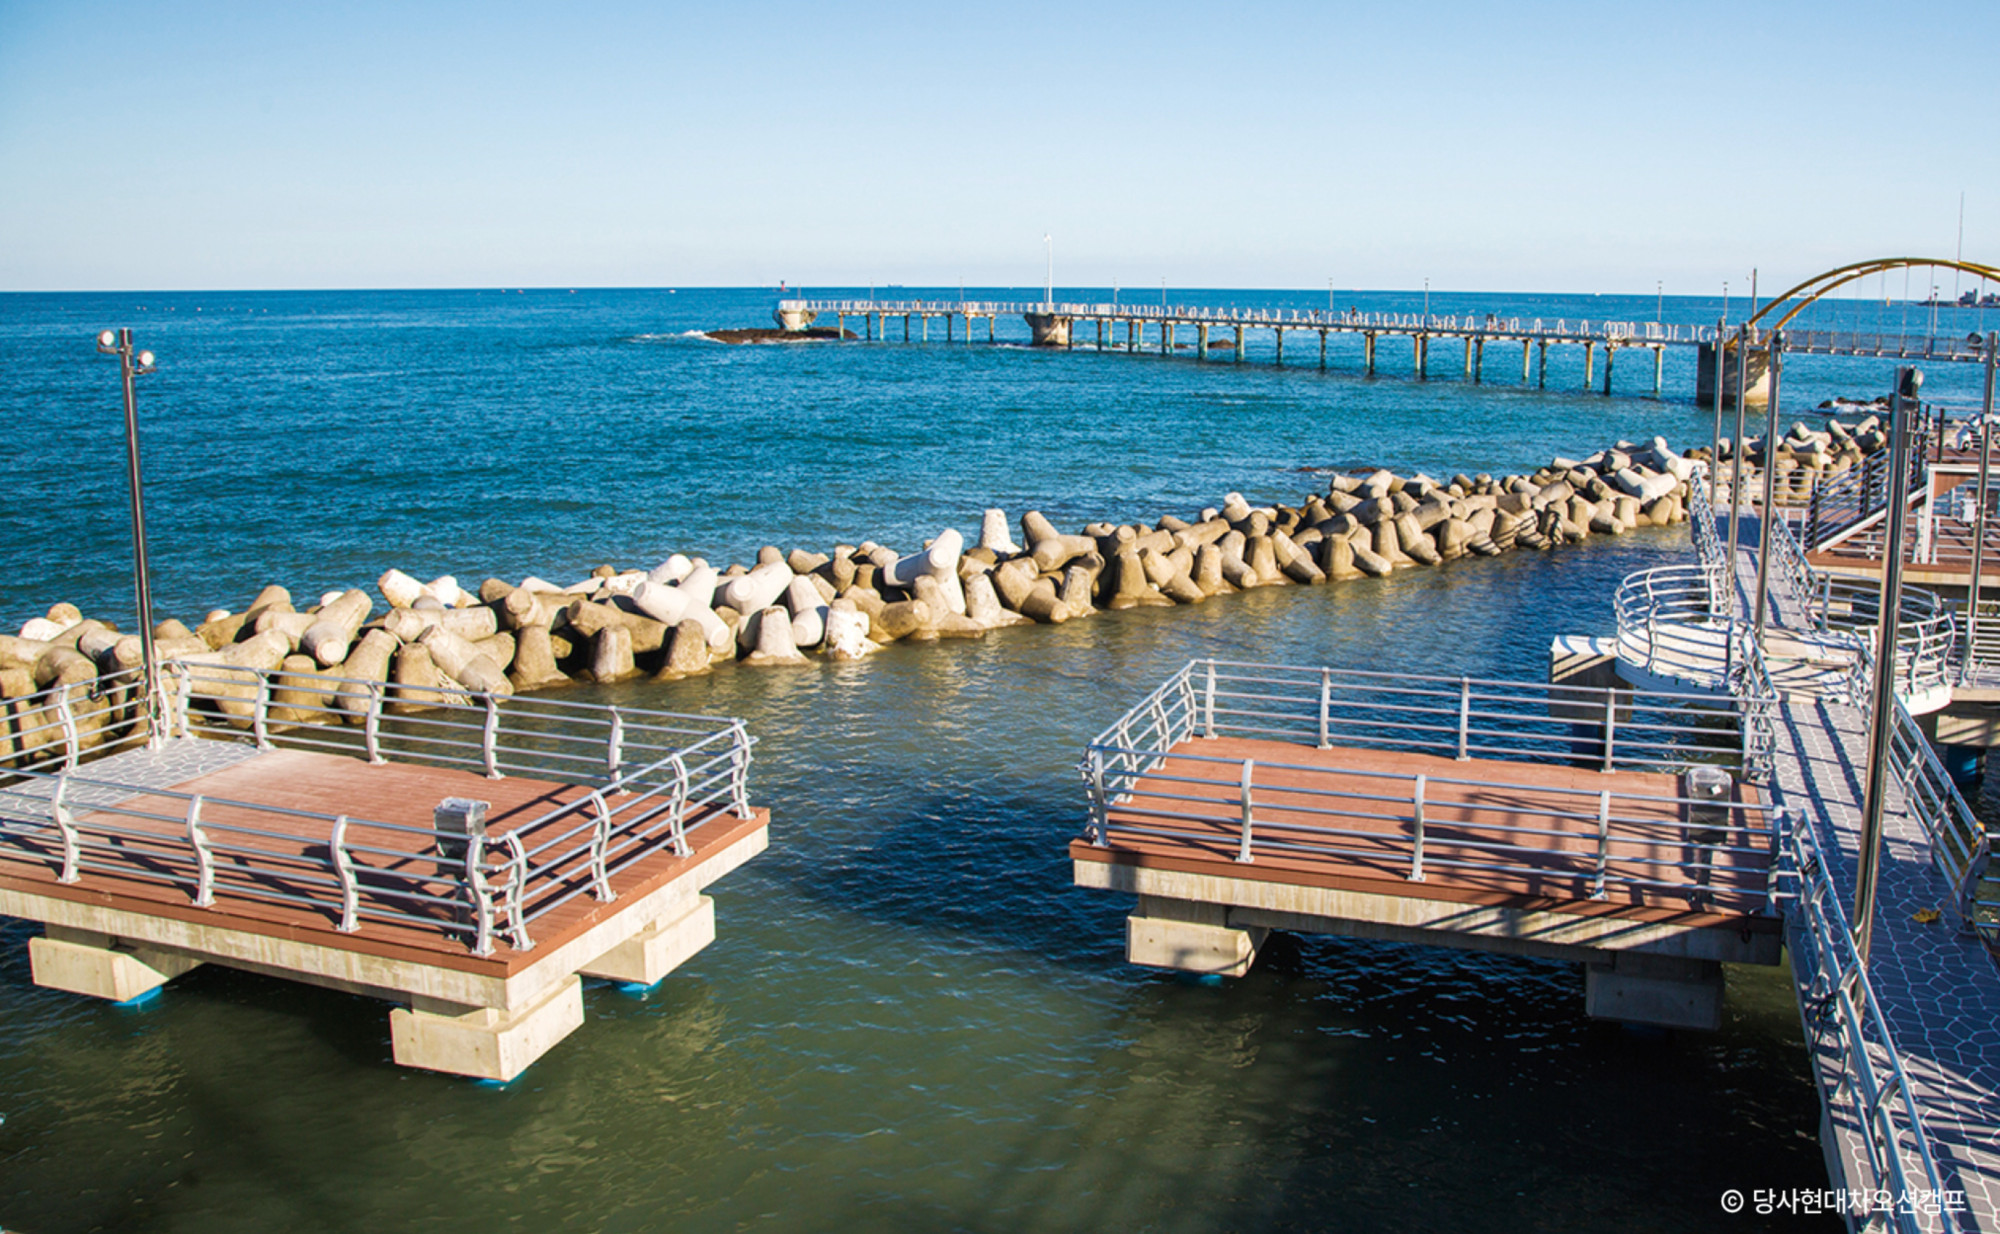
[(113, 932), (1510, 862)]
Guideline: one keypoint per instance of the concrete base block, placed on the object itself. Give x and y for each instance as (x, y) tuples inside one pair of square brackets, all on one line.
[(82, 962), (1190, 937), (660, 948), (1657, 990), (485, 1042)]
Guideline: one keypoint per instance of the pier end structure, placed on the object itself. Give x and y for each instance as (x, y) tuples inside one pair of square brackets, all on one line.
[(1049, 329), (1594, 855), (155, 860)]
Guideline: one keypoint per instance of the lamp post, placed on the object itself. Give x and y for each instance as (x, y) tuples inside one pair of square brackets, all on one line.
[(1427, 302), (1881, 720), (1049, 293), (130, 366), (1659, 300)]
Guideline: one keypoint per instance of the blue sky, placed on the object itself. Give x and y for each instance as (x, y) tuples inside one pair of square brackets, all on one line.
[(1533, 147)]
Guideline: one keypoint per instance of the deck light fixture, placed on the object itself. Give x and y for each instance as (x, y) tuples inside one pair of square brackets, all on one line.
[(132, 365)]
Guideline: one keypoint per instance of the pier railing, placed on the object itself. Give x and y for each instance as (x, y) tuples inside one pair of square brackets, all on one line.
[(58, 727), (644, 781), (1870, 1088), (1143, 781)]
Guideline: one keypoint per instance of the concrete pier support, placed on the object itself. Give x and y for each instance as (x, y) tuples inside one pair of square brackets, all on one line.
[(1468, 355), (1239, 344), (906, 327), (1589, 363), (1190, 937), (992, 323), (1659, 368), (948, 324), (87, 962), (1368, 352), (1048, 329), (1280, 332), (1479, 360), (1132, 337), (1542, 364), (487, 1042), (924, 328), (1664, 991), (868, 326), (1756, 383), (1167, 339), (840, 324), (1201, 342), (1100, 334), (1420, 344), (1609, 352), (1527, 347), (1322, 349)]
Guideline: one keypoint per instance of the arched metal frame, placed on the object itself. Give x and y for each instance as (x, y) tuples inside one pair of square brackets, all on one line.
[(1820, 284)]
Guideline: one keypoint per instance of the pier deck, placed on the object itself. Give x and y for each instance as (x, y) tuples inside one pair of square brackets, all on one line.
[(472, 861), (1937, 988)]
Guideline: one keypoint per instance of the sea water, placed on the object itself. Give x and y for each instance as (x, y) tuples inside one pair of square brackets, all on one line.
[(909, 1019)]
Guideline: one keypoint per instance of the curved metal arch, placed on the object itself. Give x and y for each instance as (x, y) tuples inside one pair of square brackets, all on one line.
[(1841, 276)]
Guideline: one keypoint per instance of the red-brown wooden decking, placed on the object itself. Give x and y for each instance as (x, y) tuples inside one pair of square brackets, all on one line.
[(1555, 873), (398, 793)]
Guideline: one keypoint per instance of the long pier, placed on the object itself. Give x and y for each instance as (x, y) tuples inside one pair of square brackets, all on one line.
[(1205, 329)]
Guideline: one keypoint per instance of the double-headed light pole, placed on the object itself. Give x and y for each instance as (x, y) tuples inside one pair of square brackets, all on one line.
[(131, 366)]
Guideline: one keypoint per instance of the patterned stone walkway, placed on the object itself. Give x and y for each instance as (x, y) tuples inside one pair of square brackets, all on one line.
[(1939, 992)]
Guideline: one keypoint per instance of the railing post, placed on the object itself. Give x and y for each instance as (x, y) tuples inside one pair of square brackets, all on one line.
[(343, 869), (1100, 812), (1243, 847), (517, 893), (1464, 717), (480, 894), (66, 824), (489, 737), (600, 845), (1417, 847), (371, 724), (1610, 725), (66, 716), (204, 892), (614, 746), (679, 805), (739, 768), (1325, 706), (1208, 707), (1603, 843), (260, 712)]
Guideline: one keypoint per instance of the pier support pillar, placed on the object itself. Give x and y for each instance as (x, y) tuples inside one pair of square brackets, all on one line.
[(1756, 378), (1542, 365), (1659, 368), (1368, 352), (1478, 360), (840, 325), (948, 325), (1527, 346), (1663, 991), (660, 948), (868, 326), (1322, 349), (1589, 363), (1280, 332), (992, 321), (1609, 352), (1048, 329), (1239, 344), (86, 962), (1201, 342), (1131, 337), (1420, 344), (486, 1042), (1468, 355), (924, 328), (906, 327), (1167, 338), (1100, 334), (1190, 937)]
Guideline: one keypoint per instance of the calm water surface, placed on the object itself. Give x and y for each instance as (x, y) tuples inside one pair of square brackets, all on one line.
[(909, 1019)]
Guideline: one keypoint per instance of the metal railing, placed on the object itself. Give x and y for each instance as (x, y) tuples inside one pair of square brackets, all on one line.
[(650, 779), (1601, 843), (1846, 503), (1835, 996), (57, 728), (1469, 325), (1674, 621)]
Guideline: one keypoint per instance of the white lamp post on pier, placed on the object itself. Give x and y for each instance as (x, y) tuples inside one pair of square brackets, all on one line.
[(132, 365)]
